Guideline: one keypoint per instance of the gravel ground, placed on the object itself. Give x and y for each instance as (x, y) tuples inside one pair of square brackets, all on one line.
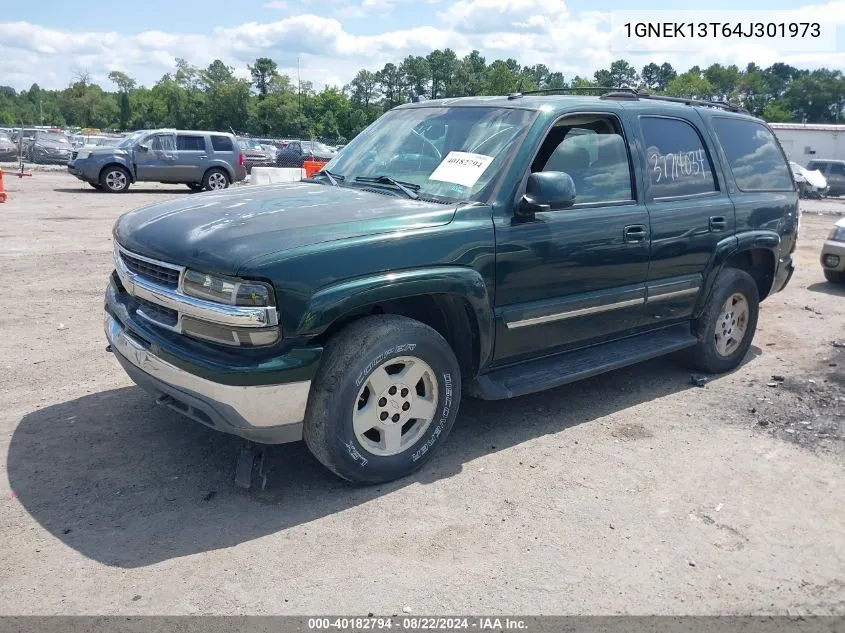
[(635, 492)]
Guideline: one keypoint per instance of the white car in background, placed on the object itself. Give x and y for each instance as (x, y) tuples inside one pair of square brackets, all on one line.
[(811, 183)]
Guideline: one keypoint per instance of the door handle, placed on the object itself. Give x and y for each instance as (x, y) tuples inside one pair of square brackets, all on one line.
[(204, 156), (635, 233), (718, 223)]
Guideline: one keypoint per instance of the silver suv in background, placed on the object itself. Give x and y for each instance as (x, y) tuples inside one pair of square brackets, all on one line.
[(201, 160)]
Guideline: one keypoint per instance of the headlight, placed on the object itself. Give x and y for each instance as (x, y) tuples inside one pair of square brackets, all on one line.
[(837, 234), (233, 292)]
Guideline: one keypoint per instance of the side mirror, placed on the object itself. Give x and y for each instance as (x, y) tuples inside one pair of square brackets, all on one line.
[(143, 148), (547, 191)]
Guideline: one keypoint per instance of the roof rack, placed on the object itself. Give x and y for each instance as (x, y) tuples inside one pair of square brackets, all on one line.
[(632, 94)]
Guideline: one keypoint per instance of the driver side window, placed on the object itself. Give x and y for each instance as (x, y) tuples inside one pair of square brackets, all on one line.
[(163, 143), (593, 152)]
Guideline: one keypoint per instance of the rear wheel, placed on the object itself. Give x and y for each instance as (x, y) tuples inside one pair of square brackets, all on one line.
[(385, 397), (114, 179), (215, 179), (834, 277), (726, 327)]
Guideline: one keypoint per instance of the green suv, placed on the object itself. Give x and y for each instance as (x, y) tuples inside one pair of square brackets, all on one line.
[(484, 246)]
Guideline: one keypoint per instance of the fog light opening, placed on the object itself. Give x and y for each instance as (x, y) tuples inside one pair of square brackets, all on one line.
[(831, 261)]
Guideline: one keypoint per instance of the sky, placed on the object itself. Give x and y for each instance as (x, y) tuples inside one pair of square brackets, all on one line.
[(333, 39)]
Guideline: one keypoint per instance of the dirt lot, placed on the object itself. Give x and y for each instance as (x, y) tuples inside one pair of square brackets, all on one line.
[(635, 492)]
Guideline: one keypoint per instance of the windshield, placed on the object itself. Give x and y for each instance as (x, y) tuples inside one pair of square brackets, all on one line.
[(448, 152), (130, 140), (53, 137), (315, 146)]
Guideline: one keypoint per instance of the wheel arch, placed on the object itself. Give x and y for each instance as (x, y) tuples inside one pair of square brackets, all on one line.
[(755, 252), (222, 165), (451, 300), (115, 163)]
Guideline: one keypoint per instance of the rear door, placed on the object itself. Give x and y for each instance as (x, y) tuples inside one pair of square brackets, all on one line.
[(689, 207), (836, 178), (157, 162), (191, 158)]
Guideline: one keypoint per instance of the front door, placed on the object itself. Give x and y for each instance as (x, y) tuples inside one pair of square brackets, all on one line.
[(155, 164), (689, 207), (575, 276)]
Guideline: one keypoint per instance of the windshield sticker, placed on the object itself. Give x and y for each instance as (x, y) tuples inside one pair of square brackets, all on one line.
[(461, 168)]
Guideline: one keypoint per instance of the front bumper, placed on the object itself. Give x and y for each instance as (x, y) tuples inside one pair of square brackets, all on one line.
[(269, 414), (836, 249)]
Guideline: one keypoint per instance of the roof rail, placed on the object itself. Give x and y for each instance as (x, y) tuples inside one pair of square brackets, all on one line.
[(632, 94)]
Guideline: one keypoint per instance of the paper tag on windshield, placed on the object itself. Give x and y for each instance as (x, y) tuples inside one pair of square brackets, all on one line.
[(461, 168)]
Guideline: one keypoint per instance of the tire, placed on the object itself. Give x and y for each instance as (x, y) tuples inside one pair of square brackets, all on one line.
[(719, 351), (353, 379), (114, 179), (194, 186), (834, 277), (215, 179)]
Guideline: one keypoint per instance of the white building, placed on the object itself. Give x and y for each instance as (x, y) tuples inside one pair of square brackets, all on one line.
[(804, 142)]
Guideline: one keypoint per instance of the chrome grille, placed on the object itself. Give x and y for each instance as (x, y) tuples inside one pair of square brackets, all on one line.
[(154, 272)]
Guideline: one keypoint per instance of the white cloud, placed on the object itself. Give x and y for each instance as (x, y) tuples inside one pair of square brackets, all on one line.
[(531, 31), (276, 4)]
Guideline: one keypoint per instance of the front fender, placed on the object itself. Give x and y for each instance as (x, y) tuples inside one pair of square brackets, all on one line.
[(332, 302)]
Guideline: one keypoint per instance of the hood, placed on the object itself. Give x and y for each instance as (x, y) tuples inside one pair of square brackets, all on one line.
[(44, 142), (219, 232), (840, 223), (103, 150)]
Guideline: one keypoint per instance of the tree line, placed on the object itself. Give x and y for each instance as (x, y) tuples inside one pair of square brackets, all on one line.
[(272, 104)]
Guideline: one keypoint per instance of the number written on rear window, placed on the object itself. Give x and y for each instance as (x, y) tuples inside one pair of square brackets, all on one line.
[(678, 164), (756, 162)]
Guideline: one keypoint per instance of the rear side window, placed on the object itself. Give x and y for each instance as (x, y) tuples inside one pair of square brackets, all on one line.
[(190, 143), (222, 144), (678, 164), (753, 154), (837, 169)]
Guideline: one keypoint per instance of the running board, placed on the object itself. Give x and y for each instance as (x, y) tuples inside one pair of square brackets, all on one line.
[(561, 369)]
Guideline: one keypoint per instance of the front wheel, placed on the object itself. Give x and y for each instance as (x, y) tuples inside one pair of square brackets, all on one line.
[(114, 179), (834, 277), (215, 179), (727, 324), (385, 397)]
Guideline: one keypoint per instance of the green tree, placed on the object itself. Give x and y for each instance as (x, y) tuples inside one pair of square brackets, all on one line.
[(656, 78), (690, 85), (391, 84), (501, 79), (263, 72), (418, 73)]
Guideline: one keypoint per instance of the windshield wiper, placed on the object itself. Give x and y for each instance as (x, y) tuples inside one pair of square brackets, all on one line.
[(408, 188), (333, 178)]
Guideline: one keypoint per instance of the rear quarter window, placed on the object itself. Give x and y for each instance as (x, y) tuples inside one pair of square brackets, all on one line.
[(678, 163), (222, 144), (754, 157)]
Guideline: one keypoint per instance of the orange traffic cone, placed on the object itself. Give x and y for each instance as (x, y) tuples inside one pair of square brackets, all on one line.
[(3, 195)]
